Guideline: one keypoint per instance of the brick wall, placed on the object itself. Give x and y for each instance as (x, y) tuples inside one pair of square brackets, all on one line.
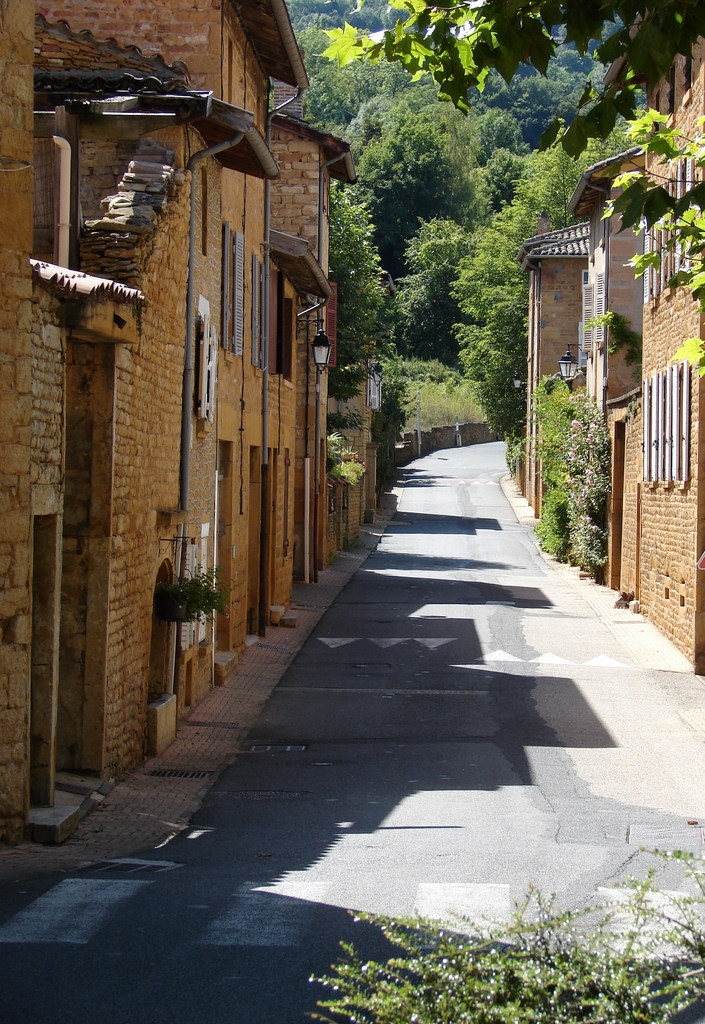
[(16, 104)]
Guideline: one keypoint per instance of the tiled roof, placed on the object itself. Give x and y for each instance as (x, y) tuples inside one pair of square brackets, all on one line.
[(570, 241), (92, 65), (74, 284)]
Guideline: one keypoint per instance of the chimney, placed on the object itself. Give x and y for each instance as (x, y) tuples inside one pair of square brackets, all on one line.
[(543, 224), (282, 91)]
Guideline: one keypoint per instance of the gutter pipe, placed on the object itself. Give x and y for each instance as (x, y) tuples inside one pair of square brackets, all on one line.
[(263, 604), (64, 223), (188, 374)]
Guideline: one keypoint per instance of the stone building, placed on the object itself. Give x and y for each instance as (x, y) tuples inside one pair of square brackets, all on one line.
[(659, 443), (308, 159), (159, 364), (556, 262), (609, 285), (16, 450), (611, 378)]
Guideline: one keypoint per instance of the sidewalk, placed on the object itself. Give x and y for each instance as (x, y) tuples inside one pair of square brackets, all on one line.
[(156, 801)]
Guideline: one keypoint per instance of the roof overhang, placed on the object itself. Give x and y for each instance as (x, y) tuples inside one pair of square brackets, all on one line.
[(597, 180), (252, 155), (95, 309), (293, 256), (269, 28), (130, 116), (336, 151)]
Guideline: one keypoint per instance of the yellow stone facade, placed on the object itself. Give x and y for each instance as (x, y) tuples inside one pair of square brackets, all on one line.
[(124, 462)]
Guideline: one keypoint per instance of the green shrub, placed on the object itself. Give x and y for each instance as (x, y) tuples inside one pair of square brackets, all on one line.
[(552, 529), (639, 961)]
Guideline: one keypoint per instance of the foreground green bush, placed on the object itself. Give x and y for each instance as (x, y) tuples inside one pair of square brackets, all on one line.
[(640, 963)]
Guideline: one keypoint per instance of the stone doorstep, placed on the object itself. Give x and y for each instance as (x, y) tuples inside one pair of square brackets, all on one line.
[(53, 825)]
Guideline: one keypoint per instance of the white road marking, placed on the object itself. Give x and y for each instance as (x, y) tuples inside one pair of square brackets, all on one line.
[(550, 659), (337, 641), (466, 906), (71, 912), (604, 662), (265, 915)]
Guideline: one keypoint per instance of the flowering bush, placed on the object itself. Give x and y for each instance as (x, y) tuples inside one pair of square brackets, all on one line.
[(574, 447), (343, 462)]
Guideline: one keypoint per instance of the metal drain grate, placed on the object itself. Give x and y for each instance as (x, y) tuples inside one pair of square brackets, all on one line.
[(131, 866), (273, 647), (210, 725), (263, 748), (263, 794), (182, 773)]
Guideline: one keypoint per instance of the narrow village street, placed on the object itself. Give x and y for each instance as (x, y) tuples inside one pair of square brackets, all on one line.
[(464, 720)]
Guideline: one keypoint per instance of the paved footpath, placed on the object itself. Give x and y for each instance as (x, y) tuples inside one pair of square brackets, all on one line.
[(156, 801)]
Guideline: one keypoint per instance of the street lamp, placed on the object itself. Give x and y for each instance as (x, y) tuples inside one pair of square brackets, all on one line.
[(567, 366), (516, 380), (321, 349)]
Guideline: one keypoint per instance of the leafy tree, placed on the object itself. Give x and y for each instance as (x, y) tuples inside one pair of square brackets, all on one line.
[(425, 310), (462, 43), (503, 172), (406, 171), (355, 267), (499, 129)]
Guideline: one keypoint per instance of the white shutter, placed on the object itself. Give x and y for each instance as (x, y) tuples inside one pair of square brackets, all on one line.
[(675, 422), (648, 271), (588, 312), (202, 563), (600, 306), (188, 629), (685, 423), (660, 435), (653, 446), (646, 426), (667, 423), (689, 183), (238, 329)]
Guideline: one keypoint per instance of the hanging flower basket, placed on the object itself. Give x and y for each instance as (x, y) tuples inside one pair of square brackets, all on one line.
[(195, 596), (169, 607)]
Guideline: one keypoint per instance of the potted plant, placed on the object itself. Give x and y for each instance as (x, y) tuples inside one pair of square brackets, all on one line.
[(191, 597)]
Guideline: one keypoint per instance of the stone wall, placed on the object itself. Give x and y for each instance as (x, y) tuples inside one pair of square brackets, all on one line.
[(439, 438), (16, 105)]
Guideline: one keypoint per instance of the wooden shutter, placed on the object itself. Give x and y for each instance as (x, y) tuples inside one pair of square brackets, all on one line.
[(225, 296), (238, 326), (588, 312), (331, 326), (600, 306)]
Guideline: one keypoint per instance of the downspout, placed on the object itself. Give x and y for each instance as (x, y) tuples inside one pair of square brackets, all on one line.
[(187, 385), (64, 224), (263, 610)]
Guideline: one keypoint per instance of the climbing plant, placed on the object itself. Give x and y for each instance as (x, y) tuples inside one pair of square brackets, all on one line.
[(574, 448)]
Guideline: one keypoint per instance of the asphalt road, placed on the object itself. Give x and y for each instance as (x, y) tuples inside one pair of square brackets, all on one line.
[(460, 724)]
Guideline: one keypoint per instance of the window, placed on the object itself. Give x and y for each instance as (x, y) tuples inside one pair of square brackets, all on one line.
[(281, 314), (207, 364), (666, 416)]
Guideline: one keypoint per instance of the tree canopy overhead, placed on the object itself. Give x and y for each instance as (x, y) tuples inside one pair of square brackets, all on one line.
[(460, 44)]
